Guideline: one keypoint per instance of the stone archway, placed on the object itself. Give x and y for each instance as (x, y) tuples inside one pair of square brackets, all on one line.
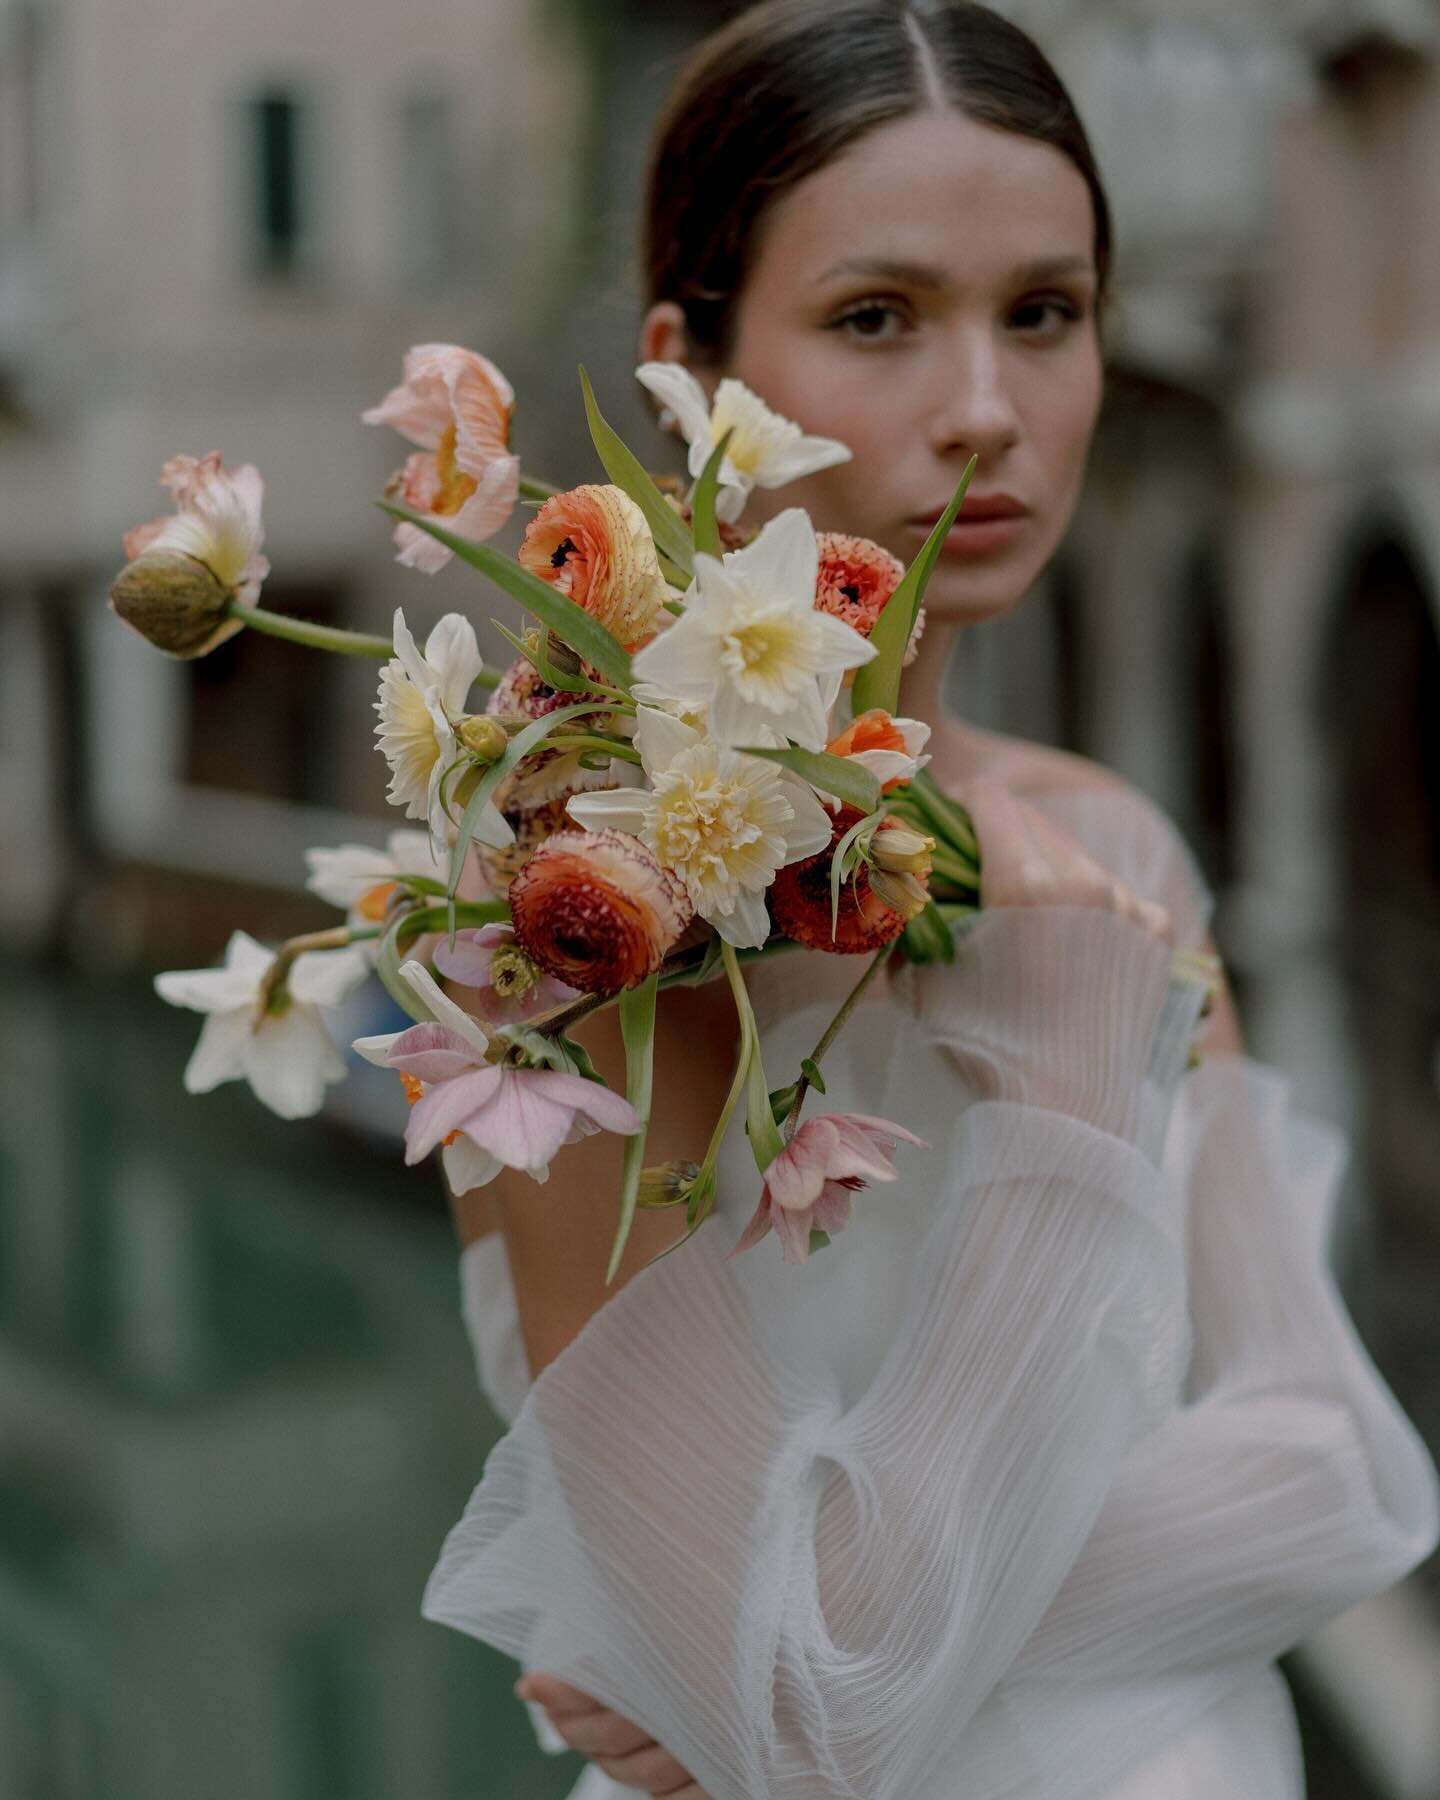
[(1379, 716)]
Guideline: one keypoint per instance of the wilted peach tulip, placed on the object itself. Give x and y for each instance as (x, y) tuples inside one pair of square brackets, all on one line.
[(596, 910), (593, 544), (456, 405)]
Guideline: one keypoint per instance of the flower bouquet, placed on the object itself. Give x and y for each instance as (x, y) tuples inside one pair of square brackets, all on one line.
[(694, 761)]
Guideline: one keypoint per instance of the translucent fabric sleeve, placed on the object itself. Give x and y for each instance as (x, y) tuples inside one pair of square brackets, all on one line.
[(800, 1582), (1290, 1484)]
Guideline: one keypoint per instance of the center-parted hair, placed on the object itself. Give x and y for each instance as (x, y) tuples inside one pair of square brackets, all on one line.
[(789, 85)]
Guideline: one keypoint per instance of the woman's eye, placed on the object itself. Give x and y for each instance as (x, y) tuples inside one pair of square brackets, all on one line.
[(1048, 317), (872, 320)]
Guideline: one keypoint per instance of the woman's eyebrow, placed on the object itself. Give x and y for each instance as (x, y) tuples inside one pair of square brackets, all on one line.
[(924, 275)]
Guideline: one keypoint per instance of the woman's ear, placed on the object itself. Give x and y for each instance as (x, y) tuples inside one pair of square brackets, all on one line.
[(662, 334)]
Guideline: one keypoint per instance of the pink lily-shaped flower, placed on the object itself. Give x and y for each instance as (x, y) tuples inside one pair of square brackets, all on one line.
[(509, 986), (809, 1184), (485, 1117)]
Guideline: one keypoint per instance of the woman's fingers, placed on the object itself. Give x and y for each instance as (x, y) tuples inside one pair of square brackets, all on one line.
[(1028, 860), (624, 1750)]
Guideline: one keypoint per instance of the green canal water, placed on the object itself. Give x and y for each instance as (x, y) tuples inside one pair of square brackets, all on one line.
[(238, 1414)]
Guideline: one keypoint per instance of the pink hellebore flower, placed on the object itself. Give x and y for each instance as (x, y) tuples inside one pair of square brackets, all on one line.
[(456, 405), (509, 986), (485, 1117), (808, 1186)]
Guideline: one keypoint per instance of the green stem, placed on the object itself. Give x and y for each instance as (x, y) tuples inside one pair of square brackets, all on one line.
[(765, 1141), (326, 637), (533, 489), (618, 747), (831, 1031)]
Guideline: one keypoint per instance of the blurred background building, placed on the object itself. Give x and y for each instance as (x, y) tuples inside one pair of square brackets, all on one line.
[(219, 228)]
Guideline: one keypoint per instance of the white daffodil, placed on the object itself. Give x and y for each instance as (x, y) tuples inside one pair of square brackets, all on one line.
[(360, 879), (752, 647), (765, 450), (725, 823), (284, 1052), (420, 698)]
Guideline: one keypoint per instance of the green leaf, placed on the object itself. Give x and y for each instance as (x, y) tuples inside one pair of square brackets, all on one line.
[(841, 776), (838, 858), (586, 636), (818, 1239), (636, 1007), (927, 938), (387, 967), (516, 750), (781, 1100), (877, 683), (543, 667), (702, 502), (810, 1069), (672, 540)]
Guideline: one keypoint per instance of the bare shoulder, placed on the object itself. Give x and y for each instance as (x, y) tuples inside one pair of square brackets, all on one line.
[(1029, 768)]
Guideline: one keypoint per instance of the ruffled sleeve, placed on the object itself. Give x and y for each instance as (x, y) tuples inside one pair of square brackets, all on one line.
[(1289, 1484), (798, 1521)]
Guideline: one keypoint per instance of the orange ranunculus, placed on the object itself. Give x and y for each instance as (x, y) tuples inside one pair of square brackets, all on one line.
[(596, 910), (855, 580), (456, 405), (800, 902), (593, 544)]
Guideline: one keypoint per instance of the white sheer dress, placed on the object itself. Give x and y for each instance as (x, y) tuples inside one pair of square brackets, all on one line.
[(1017, 1489)]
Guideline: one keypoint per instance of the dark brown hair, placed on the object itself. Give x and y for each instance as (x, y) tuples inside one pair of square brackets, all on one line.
[(787, 86)]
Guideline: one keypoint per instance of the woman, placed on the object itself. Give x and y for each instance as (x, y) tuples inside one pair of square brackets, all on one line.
[(1021, 1486)]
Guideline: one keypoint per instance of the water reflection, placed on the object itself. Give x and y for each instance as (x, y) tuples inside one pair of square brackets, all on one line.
[(239, 1415)]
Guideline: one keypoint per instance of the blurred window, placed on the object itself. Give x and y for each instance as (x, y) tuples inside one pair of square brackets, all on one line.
[(277, 129), (428, 189), (20, 150), (262, 711)]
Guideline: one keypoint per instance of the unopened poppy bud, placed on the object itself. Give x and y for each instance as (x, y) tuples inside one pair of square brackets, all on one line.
[(483, 736), (898, 849), (665, 1184), (175, 602)]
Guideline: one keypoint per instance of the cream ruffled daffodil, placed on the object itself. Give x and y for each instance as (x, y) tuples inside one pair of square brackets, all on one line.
[(752, 647), (725, 823), (765, 450), (421, 697), (485, 1117), (283, 1050)]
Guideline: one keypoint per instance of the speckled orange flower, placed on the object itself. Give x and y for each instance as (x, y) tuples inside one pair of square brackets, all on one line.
[(596, 910), (856, 579), (593, 544), (800, 903)]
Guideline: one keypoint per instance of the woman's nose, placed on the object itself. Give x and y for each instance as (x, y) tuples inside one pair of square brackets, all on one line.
[(973, 408)]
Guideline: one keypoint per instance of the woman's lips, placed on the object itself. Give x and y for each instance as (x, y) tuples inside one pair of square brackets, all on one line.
[(986, 522)]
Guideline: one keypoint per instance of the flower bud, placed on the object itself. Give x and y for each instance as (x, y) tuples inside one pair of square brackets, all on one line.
[(900, 849), (665, 1184), (175, 602), (484, 737), (903, 893)]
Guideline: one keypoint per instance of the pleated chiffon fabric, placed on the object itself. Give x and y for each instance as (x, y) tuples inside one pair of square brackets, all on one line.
[(1019, 1486)]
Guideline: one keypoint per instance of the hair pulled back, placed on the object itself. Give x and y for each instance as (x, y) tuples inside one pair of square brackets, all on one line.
[(787, 86)]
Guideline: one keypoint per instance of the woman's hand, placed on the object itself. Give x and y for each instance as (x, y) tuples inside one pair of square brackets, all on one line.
[(625, 1752), (1026, 860)]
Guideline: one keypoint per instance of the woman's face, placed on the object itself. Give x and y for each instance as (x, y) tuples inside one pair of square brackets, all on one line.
[(928, 295)]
